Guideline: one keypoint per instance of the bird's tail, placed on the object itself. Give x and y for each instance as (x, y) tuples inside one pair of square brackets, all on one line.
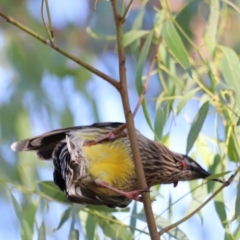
[(43, 144)]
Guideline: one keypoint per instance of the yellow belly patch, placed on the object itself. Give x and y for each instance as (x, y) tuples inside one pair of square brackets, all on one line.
[(110, 162)]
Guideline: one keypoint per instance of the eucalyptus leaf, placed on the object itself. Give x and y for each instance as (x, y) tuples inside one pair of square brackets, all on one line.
[(173, 41), (197, 125)]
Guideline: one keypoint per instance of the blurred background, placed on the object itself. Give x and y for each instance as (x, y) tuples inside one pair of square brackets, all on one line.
[(41, 90)]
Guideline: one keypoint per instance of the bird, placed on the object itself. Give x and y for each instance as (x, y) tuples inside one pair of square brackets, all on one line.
[(93, 164)]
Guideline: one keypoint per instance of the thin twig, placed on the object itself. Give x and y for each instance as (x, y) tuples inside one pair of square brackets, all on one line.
[(127, 9), (50, 33), (225, 184), (145, 85), (130, 124), (107, 78)]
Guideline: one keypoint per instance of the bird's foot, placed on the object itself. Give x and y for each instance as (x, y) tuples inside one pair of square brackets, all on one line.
[(175, 183), (133, 195), (116, 133)]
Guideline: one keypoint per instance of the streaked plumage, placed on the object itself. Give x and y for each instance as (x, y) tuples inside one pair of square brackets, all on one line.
[(79, 165)]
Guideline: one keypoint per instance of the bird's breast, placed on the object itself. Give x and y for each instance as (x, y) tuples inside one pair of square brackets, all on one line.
[(110, 162)]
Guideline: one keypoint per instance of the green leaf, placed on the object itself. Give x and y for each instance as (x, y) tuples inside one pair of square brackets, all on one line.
[(29, 212), (114, 230), (51, 190), (215, 167), (219, 199), (26, 231), (238, 121), (217, 175), (133, 35), (140, 67), (159, 123), (42, 232), (90, 227), (233, 146), (228, 65), (198, 196), (189, 95), (65, 216), (173, 41), (74, 234), (212, 27), (237, 232), (197, 125), (237, 202)]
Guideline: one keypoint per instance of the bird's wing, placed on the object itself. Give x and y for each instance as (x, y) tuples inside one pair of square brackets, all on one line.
[(44, 144)]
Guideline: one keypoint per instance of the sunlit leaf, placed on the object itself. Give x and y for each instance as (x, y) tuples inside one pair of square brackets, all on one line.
[(185, 99), (115, 230), (212, 26), (217, 175), (228, 65), (132, 36), (233, 146), (173, 41)]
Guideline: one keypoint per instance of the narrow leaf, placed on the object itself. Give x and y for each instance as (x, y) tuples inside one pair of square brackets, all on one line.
[(173, 41), (90, 227), (133, 35), (42, 232), (237, 203), (197, 125), (140, 67), (115, 230), (217, 175), (212, 27), (74, 234), (25, 229), (228, 65), (65, 216), (52, 191), (219, 199), (185, 98), (159, 123)]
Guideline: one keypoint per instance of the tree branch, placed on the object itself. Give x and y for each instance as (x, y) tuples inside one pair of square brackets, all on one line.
[(130, 124), (102, 75)]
